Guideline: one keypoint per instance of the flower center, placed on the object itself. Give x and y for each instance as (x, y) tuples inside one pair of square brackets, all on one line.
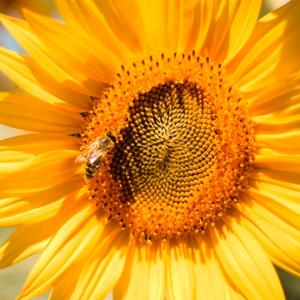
[(170, 147), (167, 148)]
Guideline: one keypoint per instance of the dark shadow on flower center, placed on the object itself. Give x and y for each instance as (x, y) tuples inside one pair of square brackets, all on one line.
[(167, 149)]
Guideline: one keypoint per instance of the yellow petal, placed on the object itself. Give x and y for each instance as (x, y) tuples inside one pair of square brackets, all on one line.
[(279, 98), (288, 180), (292, 187), (64, 288), (184, 24), (87, 18), (173, 23), (241, 27), (74, 240), (233, 23), (14, 156), (288, 142), (254, 208), (41, 172), (210, 279), (37, 207), (118, 15), (104, 266), (39, 161), (154, 33), (281, 201), (37, 143), (156, 275), (232, 294), (278, 163), (272, 51), (245, 263), (221, 19), (180, 277), (29, 113), (266, 268), (144, 267), (63, 85), (15, 66), (19, 246), (85, 64), (197, 22), (279, 239), (276, 245), (276, 123), (179, 25)]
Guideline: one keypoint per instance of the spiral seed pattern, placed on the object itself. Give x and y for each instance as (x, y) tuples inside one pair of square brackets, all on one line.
[(166, 150), (184, 147)]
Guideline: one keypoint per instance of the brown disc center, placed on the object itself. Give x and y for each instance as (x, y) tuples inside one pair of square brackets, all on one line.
[(167, 149)]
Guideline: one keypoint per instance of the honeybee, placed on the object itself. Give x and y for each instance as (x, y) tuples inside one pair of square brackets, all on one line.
[(95, 153)]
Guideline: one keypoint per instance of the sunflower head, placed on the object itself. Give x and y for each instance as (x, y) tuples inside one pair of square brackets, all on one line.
[(184, 146), (163, 149)]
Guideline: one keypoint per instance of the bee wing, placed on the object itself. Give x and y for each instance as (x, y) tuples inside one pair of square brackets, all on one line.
[(81, 158), (94, 146), (95, 155), (96, 150)]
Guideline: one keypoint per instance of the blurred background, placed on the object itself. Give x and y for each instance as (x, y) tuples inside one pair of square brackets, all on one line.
[(12, 278)]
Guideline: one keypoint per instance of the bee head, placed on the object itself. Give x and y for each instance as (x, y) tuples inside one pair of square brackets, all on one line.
[(111, 136)]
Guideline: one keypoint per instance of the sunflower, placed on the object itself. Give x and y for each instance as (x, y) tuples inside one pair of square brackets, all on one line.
[(162, 154)]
